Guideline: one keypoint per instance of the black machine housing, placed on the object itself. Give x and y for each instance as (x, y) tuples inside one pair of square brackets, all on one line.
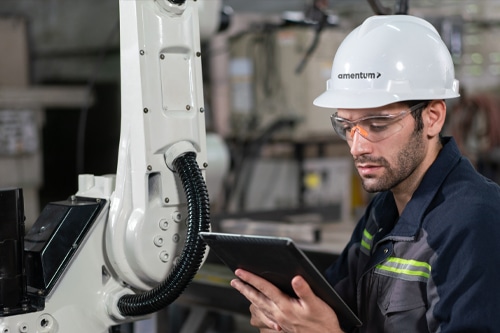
[(31, 264)]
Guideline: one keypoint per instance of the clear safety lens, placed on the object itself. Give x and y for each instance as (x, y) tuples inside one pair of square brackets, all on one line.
[(372, 128)]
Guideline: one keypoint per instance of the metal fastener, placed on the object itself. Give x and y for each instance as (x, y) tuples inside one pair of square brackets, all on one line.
[(163, 224), (176, 238), (177, 216), (158, 241), (23, 328), (164, 256)]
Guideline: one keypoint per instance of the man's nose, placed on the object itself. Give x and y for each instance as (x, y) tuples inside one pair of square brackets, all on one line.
[(359, 144), (360, 130)]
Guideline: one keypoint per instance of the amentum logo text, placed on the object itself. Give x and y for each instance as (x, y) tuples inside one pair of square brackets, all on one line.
[(359, 76)]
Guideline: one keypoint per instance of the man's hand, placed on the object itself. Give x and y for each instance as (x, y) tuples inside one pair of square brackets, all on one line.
[(274, 311)]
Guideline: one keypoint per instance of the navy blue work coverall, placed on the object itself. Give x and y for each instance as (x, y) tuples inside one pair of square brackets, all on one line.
[(435, 268)]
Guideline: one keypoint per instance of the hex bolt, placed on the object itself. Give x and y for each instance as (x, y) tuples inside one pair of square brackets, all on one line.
[(162, 56), (198, 54), (150, 168), (145, 110), (202, 110), (141, 52), (188, 107)]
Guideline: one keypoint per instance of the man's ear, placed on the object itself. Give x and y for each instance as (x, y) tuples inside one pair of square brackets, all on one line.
[(434, 117)]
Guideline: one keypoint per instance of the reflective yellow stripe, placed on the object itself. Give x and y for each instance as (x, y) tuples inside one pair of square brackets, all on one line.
[(405, 268), (403, 271), (366, 242), (367, 234), (410, 262)]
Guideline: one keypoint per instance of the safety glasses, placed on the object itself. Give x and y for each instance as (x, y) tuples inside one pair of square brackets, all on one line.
[(372, 128)]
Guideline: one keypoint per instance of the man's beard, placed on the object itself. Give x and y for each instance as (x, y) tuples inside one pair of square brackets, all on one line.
[(409, 158)]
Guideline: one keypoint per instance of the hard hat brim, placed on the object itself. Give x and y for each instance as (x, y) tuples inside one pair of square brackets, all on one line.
[(353, 100), (373, 99)]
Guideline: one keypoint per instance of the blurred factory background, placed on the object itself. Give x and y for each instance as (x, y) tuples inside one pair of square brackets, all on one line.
[(271, 152), (60, 66)]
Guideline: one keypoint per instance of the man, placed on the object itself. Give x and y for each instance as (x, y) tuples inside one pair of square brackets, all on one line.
[(425, 256)]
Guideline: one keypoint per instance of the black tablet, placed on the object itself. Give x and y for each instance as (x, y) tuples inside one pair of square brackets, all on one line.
[(278, 260)]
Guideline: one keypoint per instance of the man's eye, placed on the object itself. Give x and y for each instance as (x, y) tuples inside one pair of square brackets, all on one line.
[(378, 126), (346, 128)]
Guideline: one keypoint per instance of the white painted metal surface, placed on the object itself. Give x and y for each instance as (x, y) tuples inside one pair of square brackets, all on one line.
[(137, 237)]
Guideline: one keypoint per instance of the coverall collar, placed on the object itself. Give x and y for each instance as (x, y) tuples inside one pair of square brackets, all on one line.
[(410, 220)]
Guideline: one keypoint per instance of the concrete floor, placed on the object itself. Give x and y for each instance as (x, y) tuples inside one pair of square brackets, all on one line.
[(220, 323)]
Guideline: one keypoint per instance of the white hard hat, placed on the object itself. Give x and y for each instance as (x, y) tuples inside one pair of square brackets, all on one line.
[(390, 58)]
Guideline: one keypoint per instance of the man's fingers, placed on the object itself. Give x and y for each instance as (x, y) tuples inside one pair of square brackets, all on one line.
[(262, 285), (247, 290), (302, 289), (250, 292), (260, 307), (259, 319)]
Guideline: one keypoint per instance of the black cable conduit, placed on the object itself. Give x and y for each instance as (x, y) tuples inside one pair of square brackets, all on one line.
[(194, 248)]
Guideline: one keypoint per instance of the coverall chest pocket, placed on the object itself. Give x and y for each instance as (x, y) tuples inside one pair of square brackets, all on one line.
[(402, 304)]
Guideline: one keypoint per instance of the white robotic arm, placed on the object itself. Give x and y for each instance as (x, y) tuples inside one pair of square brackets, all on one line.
[(124, 246), (162, 119)]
